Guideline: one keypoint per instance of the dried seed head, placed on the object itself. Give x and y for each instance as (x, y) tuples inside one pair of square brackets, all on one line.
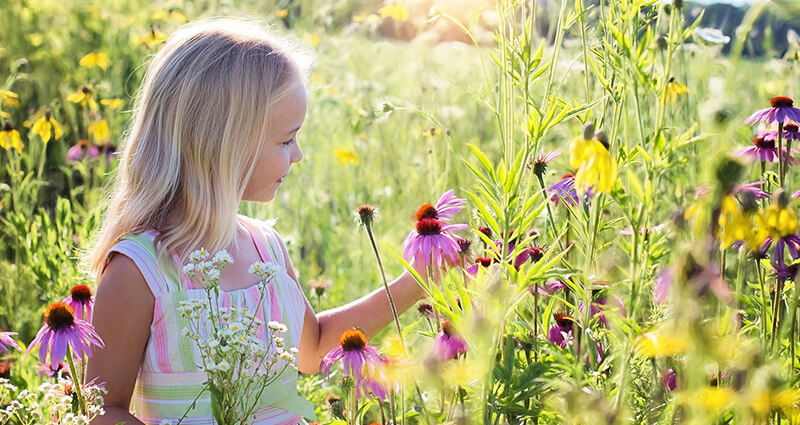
[(366, 213)]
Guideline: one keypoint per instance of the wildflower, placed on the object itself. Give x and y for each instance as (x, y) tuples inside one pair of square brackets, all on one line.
[(84, 98), (109, 150), (153, 38), (548, 288), (346, 156), (715, 399), (661, 344), (92, 59), (540, 165), (780, 109), (777, 227), (394, 11), (736, 225), (598, 307), (61, 330), (7, 341), (753, 188), (675, 89), (282, 13), (791, 131), (447, 205), (9, 137), (591, 157), (429, 242), (99, 130), (9, 98), (560, 333), (112, 103), (46, 127), (662, 286), (81, 299), (564, 189), (366, 213), (83, 148), (670, 379), (425, 310), (764, 149), (320, 285), (533, 254), (355, 351), (448, 345)]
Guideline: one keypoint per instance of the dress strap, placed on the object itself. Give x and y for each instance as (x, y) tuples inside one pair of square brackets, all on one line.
[(275, 307), (141, 249)]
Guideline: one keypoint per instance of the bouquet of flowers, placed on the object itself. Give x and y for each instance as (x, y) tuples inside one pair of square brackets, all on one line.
[(238, 362)]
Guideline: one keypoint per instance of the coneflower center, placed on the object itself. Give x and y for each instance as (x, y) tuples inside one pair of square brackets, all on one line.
[(447, 328), (81, 294), (564, 321), (764, 143), (8, 126), (426, 211), (353, 340), (791, 127), (429, 226), (484, 261), (59, 315), (781, 102)]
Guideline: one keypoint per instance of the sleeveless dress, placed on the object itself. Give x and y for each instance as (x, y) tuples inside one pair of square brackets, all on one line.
[(169, 378)]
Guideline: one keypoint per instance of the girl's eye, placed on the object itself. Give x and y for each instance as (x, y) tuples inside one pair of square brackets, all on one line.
[(288, 142)]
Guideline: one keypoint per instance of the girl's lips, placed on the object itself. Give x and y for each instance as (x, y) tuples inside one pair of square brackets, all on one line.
[(280, 180)]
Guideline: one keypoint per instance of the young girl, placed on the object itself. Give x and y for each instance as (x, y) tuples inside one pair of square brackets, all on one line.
[(215, 123)]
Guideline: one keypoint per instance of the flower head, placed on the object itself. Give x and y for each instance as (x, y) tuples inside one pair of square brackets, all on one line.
[(7, 341), (430, 242), (540, 165), (764, 149), (80, 298), (9, 137), (356, 354), (366, 214), (781, 108), (564, 189), (320, 285), (595, 164), (447, 206), (448, 345), (83, 149), (61, 330), (46, 127), (560, 333)]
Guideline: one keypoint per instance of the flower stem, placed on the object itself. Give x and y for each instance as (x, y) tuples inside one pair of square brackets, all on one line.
[(386, 286), (781, 159), (76, 381)]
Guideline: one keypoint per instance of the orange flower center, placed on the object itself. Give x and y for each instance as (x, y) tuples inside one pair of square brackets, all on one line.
[(447, 328), (763, 143), (59, 315), (429, 226), (781, 102), (426, 211), (81, 293), (353, 340), (791, 127)]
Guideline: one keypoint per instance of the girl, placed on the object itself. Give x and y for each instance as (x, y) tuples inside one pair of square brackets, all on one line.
[(215, 123)]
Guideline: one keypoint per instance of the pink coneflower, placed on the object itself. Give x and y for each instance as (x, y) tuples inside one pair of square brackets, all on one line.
[(447, 206), (564, 189), (540, 165), (764, 149), (480, 262), (448, 345), (83, 148), (548, 288), (532, 253), (598, 307), (560, 333), (791, 131), (80, 299), (357, 355), (61, 330), (670, 379), (109, 150), (754, 188), (7, 341), (781, 108), (430, 242)]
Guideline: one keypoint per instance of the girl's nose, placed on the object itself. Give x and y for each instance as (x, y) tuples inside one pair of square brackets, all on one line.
[(297, 153)]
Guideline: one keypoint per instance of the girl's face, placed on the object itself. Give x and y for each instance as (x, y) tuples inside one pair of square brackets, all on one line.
[(280, 150)]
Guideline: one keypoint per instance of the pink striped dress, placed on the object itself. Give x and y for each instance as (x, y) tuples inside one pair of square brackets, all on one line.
[(169, 378)]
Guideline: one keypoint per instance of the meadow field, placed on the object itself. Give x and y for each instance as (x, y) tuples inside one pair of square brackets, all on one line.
[(608, 152)]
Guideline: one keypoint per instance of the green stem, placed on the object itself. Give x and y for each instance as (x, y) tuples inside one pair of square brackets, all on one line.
[(386, 287), (76, 382)]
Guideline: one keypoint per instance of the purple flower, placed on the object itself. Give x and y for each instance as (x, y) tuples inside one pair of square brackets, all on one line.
[(80, 299), (779, 247), (754, 188), (448, 345), (764, 149), (599, 306), (781, 108), (430, 242), (447, 206), (565, 189), (357, 355), (791, 131), (532, 254), (7, 341), (662, 286), (670, 379), (560, 333), (77, 151), (548, 288), (540, 165), (61, 330)]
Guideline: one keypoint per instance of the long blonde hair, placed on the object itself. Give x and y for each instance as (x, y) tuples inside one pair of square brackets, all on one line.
[(199, 119)]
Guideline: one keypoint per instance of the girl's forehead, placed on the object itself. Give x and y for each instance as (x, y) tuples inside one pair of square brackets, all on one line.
[(289, 112)]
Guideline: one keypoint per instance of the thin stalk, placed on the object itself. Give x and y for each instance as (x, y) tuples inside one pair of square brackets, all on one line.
[(550, 212), (76, 381), (781, 159), (764, 315), (368, 226)]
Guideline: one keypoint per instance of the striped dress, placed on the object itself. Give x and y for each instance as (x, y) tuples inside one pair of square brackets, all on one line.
[(169, 378)]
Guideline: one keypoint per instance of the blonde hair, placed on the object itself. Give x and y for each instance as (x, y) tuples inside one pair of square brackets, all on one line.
[(198, 123)]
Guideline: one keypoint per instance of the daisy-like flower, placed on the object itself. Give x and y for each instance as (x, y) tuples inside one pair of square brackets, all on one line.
[(675, 89), (791, 131), (560, 333), (92, 59), (765, 149), (480, 262), (595, 164), (447, 206), (60, 330), (777, 227), (564, 189), (430, 242), (448, 345), (781, 109), (81, 299), (7, 341), (83, 149), (754, 188), (357, 355), (540, 165), (84, 98), (9, 137), (46, 127)]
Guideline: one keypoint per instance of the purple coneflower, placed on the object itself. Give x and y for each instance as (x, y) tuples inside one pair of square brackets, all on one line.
[(662, 286), (447, 206), (754, 188), (548, 288), (560, 333), (781, 108), (448, 345), (430, 243), (61, 330), (83, 148), (565, 189), (791, 131), (480, 262), (598, 307), (80, 299), (764, 149), (670, 379), (532, 253), (540, 165), (357, 355), (7, 341)]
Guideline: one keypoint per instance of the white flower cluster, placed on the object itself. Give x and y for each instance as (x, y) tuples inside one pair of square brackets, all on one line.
[(231, 339), (57, 403)]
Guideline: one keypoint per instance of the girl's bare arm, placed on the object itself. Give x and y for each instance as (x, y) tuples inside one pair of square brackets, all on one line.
[(370, 313), (123, 311)]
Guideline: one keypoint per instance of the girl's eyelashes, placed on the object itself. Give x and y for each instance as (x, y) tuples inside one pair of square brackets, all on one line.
[(288, 142)]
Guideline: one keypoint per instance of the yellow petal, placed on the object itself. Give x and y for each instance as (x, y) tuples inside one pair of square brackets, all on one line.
[(76, 97), (394, 11), (282, 13), (113, 103), (99, 130), (56, 128)]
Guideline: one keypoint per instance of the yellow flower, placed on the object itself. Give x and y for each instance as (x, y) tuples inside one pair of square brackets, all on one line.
[(84, 98), (394, 11), (432, 131), (98, 59), (715, 399), (43, 126), (359, 18), (113, 103), (463, 372), (675, 89), (736, 225), (163, 15), (10, 98), (282, 13), (596, 167), (661, 344), (776, 222), (99, 130), (9, 137), (153, 38), (346, 156), (312, 38)]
